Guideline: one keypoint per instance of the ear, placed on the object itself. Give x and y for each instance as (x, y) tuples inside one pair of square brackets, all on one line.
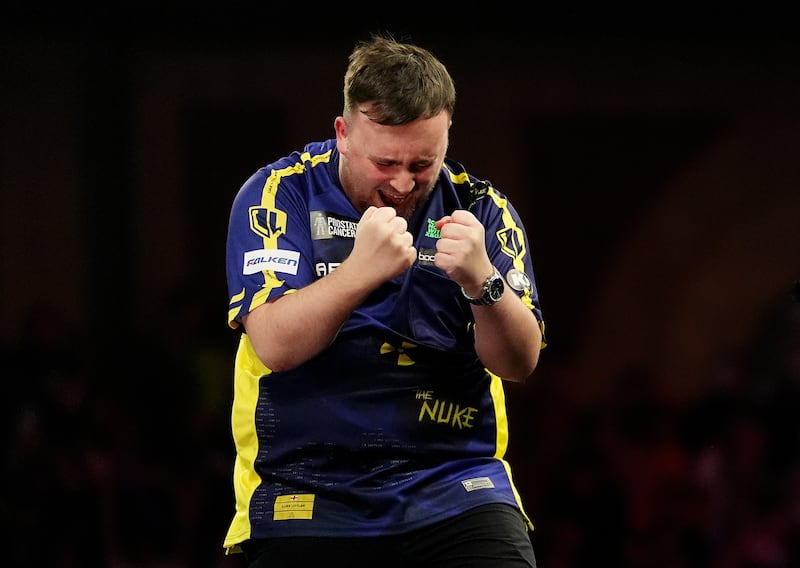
[(340, 127)]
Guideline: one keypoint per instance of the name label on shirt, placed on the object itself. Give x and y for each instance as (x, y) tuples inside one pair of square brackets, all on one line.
[(297, 506)]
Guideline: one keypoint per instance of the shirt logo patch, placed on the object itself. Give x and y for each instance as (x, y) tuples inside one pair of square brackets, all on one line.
[(518, 280), (431, 231), (271, 259), (401, 352), (267, 222), (295, 506), (325, 226), (512, 241), (477, 483), (426, 256)]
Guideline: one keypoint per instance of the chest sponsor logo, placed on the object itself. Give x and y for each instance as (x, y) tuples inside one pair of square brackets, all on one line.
[(426, 256), (271, 259), (431, 231), (326, 226)]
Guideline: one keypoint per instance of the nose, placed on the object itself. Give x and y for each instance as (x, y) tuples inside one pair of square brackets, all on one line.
[(403, 182)]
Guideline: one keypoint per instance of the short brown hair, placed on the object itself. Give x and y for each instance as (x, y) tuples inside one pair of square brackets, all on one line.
[(400, 82)]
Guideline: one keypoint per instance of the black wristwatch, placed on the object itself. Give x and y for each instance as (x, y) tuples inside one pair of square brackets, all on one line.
[(492, 291)]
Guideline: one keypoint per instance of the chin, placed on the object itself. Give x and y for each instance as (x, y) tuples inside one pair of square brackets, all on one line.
[(406, 213)]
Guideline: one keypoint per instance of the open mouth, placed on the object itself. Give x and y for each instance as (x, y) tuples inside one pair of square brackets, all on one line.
[(391, 200)]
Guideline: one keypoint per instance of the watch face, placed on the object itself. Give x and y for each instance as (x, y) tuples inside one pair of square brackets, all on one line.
[(492, 291), (496, 289)]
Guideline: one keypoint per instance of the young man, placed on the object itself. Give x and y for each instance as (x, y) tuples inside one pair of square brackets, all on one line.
[(383, 295)]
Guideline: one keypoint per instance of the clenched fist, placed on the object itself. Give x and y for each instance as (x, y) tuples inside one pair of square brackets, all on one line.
[(383, 246), (461, 250)]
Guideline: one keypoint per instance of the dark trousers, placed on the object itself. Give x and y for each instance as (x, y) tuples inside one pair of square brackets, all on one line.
[(490, 536)]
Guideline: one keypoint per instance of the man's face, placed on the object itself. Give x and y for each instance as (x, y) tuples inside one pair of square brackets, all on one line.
[(394, 166)]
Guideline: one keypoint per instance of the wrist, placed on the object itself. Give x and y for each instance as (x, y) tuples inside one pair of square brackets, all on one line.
[(490, 292)]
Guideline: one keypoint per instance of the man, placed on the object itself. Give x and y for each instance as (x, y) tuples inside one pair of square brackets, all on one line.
[(384, 295)]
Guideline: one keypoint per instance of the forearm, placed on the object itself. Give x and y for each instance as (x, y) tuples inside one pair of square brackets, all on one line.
[(297, 326), (507, 338)]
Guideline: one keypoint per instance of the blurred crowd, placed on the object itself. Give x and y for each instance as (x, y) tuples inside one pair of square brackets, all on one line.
[(119, 459), (650, 480), (129, 464)]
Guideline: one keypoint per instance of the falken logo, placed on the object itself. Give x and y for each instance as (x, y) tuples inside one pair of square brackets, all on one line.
[(271, 259)]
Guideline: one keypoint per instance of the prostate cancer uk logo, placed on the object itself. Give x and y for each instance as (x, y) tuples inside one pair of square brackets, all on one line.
[(271, 259), (328, 226)]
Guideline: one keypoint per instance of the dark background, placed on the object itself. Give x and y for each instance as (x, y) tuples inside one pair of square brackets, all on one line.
[(655, 164)]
